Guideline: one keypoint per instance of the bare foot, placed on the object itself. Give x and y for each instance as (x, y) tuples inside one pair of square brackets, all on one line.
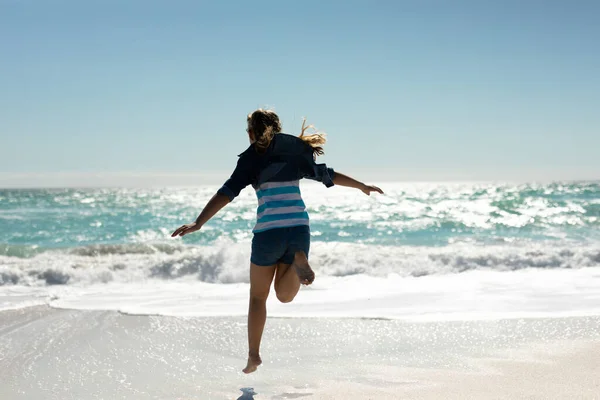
[(303, 269), (253, 362)]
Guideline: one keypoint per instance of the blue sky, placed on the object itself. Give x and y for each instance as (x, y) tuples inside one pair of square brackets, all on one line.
[(158, 91)]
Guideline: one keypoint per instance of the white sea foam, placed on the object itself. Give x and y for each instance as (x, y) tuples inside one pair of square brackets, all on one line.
[(227, 262), (474, 295), (459, 281)]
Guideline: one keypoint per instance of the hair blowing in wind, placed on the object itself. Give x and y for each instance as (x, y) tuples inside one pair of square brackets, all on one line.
[(264, 124)]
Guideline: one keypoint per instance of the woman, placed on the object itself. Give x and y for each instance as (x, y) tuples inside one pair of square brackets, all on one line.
[(273, 164)]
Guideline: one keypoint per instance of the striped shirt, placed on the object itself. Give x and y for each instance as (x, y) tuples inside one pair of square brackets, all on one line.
[(280, 205), (275, 175)]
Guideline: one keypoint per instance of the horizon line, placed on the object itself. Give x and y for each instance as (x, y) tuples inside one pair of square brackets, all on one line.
[(133, 179)]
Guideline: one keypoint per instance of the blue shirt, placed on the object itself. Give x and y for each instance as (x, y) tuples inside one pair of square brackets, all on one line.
[(275, 176)]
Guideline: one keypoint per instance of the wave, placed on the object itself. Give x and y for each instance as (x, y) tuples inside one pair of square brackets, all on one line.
[(127, 248), (228, 262), (28, 251), (22, 251)]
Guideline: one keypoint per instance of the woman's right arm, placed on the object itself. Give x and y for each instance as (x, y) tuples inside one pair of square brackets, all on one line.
[(345, 180), (214, 205), (241, 177)]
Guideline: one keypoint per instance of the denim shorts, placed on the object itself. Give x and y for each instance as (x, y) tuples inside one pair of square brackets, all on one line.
[(279, 245)]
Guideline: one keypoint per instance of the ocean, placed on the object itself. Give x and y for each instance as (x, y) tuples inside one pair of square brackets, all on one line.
[(422, 251)]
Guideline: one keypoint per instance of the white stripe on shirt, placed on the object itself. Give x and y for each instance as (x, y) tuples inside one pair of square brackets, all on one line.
[(271, 208)]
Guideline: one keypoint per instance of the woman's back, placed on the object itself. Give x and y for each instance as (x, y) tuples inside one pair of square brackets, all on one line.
[(275, 174)]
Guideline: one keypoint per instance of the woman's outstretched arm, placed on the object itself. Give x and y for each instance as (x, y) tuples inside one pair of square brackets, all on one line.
[(345, 180), (213, 206)]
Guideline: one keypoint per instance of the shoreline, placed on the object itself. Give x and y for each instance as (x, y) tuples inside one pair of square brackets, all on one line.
[(528, 317)]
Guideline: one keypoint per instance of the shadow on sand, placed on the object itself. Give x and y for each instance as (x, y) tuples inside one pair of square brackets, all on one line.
[(247, 394)]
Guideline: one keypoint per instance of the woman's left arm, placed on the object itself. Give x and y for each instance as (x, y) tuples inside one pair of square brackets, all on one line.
[(345, 180)]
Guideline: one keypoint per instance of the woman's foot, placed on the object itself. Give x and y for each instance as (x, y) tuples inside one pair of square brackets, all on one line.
[(303, 269), (253, 362)]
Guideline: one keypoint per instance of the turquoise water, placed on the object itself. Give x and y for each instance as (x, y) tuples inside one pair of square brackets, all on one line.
[(426, 215), (58, 236)]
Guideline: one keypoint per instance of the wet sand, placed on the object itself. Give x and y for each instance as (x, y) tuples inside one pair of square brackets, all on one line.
[(48, 353)]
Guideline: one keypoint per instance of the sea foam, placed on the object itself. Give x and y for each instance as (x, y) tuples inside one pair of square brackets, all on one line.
[(229, 262)]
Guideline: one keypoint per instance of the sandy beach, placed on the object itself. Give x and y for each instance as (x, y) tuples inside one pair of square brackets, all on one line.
[(48, 353)]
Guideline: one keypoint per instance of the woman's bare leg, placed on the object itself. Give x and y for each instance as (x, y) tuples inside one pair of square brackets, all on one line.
[(260, 284), (287, 283), (303, 269)]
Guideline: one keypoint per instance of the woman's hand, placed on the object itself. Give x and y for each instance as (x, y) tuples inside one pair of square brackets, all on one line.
[(185, 229), (344, 180), (366, 189)]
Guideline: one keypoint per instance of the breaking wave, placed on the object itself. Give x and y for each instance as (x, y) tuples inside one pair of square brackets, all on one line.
[(228, 262)]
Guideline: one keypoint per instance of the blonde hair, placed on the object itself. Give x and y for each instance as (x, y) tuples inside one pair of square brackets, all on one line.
[(265, 124), (315, 140)]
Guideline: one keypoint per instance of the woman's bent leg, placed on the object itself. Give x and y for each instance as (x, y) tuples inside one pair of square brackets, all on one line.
[(287, 283), (260, 284), (305, 273)]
